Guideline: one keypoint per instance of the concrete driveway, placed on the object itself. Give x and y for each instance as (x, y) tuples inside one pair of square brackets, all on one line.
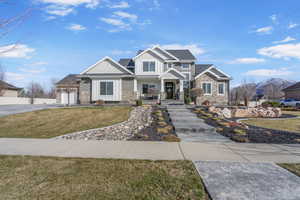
[(14, 109)]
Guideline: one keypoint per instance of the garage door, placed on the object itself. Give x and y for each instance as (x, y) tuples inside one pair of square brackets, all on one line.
[(69, 98)]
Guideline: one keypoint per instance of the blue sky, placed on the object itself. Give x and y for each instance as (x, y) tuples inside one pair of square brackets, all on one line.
[(252, 40)]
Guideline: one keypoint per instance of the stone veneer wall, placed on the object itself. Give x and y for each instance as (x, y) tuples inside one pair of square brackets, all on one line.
[(85, 91), (128, 93), (214, 98)]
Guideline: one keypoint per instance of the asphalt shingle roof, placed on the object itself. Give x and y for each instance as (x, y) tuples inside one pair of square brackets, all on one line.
[(199, 68), (126, 62), (293, 87), (70, 79), (182, 54), (8, 86)]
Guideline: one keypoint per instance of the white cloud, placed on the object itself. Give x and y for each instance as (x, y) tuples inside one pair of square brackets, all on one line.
[(292, 25), (126, 15), (156, 5), (247, 61), (117, 23), (269, 72), (287, 39), (76, 27), (12, 76), (274, 19), (15, 51), (264, 30), (194, 48), (122, 4), (32, 71), (284, 51), (88, 3), (58, 10), (121, 52), (38, 63)]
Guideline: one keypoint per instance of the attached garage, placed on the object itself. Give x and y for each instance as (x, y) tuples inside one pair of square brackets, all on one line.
[(69, 97), (67, 90)]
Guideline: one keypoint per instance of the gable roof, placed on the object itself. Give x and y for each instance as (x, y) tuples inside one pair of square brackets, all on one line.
[(126, 62), (141, 52), (110, 59), (182, 54), (6, 85), (296, 86), (70, 79), (169, 71), (210, 68)]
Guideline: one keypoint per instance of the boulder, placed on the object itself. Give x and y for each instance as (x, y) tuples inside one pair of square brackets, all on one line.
[(246, 112)]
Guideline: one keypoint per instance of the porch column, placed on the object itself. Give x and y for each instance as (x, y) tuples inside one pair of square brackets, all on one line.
[(181, 86), (162, 88), (135, 89)]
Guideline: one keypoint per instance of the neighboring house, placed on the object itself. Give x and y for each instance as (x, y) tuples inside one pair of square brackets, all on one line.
[(8, 90), (292, 92), (154, 73), (67, 90)]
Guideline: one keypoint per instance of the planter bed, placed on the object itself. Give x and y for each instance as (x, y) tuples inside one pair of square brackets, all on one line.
[(161, 128), (241, 132)]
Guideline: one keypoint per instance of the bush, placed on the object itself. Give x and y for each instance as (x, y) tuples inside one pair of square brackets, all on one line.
[(165, 130), (270, 104), (139, 102), (240, 132), (187, 100), (241, 139), (170, 138), (99, 102)]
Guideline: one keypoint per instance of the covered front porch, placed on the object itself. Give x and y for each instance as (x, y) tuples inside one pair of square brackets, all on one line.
[(168, 86)]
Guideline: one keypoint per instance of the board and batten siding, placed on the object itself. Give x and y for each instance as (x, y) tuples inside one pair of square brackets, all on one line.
[(117, 91), (148, 57)]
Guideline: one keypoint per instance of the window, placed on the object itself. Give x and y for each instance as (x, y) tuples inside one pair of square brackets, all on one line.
[(221, 88), (185, 65), (169, 65), (106, 88), (206, 88), (186, 82), (147, 88), (148, 66)]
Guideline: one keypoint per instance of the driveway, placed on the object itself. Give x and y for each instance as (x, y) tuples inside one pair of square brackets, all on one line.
[(14, 109)]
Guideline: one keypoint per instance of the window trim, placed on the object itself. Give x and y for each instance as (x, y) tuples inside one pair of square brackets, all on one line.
[(149, 61), (149, 86), (188, 64), (220, 94), (211, 88), (106, 88)]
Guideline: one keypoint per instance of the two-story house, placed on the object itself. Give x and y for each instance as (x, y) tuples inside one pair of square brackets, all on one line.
[(154, 73)]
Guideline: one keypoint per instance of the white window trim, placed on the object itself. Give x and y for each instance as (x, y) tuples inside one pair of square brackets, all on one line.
[(211, 88), (156, 66), (181, 65), (223, 89), (106, 81)]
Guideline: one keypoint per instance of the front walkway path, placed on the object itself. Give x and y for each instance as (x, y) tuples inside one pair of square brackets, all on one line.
[(152, 150), (190, 128), (248, 181)]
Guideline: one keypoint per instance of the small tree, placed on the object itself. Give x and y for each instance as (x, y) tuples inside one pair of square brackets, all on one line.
[(35, 90), (196, 93)]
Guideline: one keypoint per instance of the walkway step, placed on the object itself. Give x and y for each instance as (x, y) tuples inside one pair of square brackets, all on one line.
[(248, 181), (202, 137)]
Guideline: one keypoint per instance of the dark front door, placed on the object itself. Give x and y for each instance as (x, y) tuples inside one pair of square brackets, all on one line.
[(169, 88)]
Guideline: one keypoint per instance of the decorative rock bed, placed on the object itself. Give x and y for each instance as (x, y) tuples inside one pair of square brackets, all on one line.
[(240, 132), (140, 118)]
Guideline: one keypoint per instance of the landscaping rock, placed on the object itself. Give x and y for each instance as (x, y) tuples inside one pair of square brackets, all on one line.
[(139, 119)]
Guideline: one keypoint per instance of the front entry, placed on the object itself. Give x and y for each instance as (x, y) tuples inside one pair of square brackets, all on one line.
[(169, 88)]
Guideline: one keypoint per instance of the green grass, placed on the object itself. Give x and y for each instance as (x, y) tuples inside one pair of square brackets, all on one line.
[(295, 168), (54, 122), (84, 179)]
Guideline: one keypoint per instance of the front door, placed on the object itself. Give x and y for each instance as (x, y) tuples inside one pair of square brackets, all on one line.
[(169, 88)]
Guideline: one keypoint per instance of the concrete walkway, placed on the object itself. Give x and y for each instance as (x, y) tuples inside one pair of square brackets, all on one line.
[(152, 150), (190, 128), (15, 109)]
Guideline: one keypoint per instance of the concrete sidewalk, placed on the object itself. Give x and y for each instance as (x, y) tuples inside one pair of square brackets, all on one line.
[(152, 150)]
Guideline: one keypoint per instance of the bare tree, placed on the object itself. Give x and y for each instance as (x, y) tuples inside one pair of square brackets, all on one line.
[(35, 90), (245, 92), (52, 91), (2, 77)]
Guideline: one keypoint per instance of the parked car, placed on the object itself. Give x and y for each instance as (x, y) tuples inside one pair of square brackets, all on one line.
[(290, 102)]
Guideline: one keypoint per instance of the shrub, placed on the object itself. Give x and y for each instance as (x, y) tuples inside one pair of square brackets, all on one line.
[(240, 132), (216, 119), (170, 138), (139, 102), (226, 124), (240, 139), (162, 123), (99, 102), (187, 100), (219, 130), (164, 130), (270, 104)]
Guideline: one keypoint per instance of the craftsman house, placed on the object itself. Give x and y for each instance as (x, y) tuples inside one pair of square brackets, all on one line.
[(154, 73)]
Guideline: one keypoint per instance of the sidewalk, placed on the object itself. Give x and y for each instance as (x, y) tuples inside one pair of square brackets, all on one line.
[(152, 150)]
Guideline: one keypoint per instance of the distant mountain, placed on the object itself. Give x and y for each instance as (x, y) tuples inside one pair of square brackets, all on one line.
[(278, 82)]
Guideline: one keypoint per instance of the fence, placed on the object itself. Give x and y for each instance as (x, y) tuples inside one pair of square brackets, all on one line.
[(23, 100)]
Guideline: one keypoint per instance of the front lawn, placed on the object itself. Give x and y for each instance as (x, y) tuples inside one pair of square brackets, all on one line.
[(292, 125), (73, 178), (295, 168), (54, 122)]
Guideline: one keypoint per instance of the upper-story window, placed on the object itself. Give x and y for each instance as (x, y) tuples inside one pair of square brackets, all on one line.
[(148, 66), (185, 65)]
